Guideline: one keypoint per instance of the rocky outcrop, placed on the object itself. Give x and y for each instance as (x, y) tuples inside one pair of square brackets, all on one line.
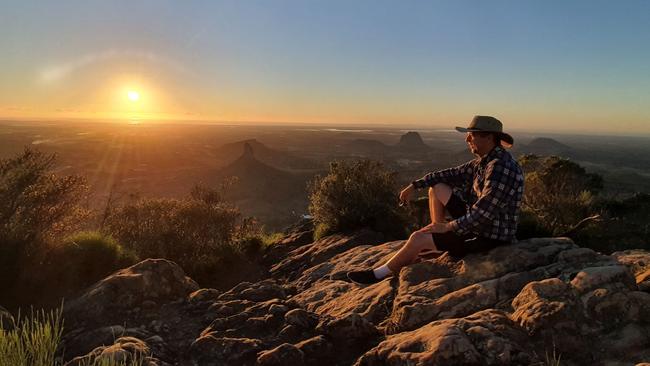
[(412, 141), (308, 256), (141, 287), (487, 337), (513, 305)]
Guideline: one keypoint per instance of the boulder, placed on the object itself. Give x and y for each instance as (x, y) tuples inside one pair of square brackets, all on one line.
[(209, 350), (639, 263), (547, 306), (486, 338), (204, 295), (316, 349), (357, 258), (301, 318), (284, 354), (155, 280), (509, 306), (294, 237), (444, 288), (320, 251), (352, 327)]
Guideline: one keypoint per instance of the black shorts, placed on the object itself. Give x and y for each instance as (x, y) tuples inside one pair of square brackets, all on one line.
[(459, 246)]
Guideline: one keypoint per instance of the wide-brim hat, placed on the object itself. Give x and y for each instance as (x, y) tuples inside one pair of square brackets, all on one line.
[(488, 124)]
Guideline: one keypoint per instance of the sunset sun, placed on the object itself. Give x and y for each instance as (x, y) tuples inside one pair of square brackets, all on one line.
[(133, 95)]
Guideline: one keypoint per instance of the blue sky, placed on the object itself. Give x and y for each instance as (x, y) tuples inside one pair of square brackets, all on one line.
[(537, 65)]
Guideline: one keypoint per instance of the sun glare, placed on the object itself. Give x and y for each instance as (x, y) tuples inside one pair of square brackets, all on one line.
[(133, 95)]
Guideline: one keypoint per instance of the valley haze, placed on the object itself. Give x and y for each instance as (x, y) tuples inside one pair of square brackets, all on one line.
[(166, 159)]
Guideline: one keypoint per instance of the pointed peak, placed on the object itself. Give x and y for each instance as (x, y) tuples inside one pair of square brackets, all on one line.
[(411, 139), (248, 149)]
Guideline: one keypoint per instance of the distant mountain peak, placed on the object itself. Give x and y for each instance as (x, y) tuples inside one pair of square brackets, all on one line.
[(411, 140), (248, 149), (547, 142)]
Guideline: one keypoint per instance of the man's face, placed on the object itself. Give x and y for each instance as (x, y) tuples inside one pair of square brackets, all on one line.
[(479, 145)]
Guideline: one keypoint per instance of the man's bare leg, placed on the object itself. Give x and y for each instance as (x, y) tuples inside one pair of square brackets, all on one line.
[(417, 242), (439, 195)]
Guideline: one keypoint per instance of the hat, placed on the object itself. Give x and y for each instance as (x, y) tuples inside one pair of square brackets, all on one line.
[(488, 124)]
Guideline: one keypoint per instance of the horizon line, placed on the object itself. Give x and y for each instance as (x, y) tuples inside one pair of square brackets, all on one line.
[(364, 125)]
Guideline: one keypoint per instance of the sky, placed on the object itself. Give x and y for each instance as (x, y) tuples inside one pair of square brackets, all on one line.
[(564, 66)]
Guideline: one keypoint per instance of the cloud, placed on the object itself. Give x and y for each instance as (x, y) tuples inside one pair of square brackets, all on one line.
[(54, 73), (14, 108)]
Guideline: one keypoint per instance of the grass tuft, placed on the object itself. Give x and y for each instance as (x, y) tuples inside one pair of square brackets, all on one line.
[(32, 341)]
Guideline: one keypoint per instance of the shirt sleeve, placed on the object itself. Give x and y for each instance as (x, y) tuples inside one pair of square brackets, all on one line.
[(454, 177), (498, 189)]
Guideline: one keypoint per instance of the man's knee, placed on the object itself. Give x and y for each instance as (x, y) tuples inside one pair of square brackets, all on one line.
[(420, 240), (442, 192)]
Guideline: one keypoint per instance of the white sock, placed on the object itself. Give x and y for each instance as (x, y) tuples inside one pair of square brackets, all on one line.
[(382, 272)]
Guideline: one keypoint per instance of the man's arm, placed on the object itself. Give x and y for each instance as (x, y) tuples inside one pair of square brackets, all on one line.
[(501, 185), (454, 177)]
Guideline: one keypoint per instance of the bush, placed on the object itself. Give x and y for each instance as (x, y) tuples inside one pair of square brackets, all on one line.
[(625, 225), (355, 195), (205, 235), (558, 192), (36, 209), (530, 227), (85, 258)]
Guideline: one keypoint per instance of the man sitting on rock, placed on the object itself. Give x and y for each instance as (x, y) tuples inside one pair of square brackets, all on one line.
[(482, 196)]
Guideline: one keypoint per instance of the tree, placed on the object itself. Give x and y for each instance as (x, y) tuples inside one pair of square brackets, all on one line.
[(37, 208), (355, 195), (558, 192), (205, 235)]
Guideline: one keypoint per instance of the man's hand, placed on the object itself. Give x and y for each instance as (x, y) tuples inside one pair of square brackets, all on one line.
[(405, 195), (436, 227)]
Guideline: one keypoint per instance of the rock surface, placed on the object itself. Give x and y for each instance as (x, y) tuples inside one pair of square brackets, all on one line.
[(513, 305)]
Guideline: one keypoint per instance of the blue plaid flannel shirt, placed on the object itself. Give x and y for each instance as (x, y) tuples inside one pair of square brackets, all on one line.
[(493, 188)]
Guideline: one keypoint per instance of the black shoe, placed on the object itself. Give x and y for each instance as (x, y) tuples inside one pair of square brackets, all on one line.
[(366, 277)]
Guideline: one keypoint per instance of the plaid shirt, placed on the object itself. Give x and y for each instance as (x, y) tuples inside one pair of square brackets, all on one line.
[(495, 194)]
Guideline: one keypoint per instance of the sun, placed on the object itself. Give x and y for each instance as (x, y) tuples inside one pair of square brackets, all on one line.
[(133, 95)]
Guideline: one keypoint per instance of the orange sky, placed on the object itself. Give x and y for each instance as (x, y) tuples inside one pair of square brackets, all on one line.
[(553, 66)]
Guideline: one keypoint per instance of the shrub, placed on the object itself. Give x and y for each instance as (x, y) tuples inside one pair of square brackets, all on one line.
[(85, 258), (202, 233), (36, 205), (625, 225), (36, 208), (355, 195), (530, 227), (558, 192)]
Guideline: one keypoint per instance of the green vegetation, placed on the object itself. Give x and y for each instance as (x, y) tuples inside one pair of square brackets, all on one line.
[(32, 341), (204, 234), (558, 192), (624, 225), (84, 258), (37, 208), (355, 195), (561, 198), (47, 252), (35, 341)]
